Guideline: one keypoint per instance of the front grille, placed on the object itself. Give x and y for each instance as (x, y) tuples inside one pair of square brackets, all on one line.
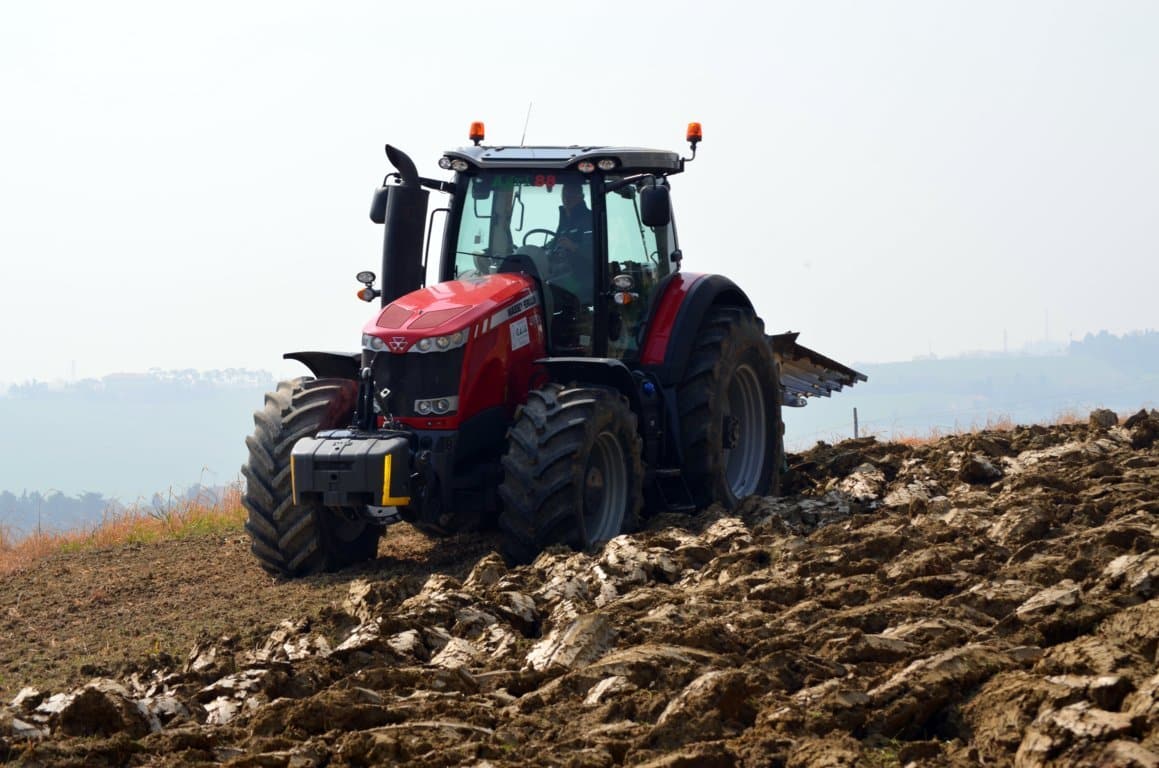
[(413, 376)]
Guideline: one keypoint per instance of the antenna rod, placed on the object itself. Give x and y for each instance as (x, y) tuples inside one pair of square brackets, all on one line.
[(527, 120)]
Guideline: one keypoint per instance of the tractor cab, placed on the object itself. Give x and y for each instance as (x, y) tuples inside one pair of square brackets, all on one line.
[(592, 226)]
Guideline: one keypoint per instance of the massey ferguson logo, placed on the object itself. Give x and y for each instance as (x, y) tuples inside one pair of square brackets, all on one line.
[(397, 343)]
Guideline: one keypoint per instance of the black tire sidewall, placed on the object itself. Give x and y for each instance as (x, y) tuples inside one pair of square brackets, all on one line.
[(755, 353), (549, 446), (291, 412), (611, 419), (741, 342)]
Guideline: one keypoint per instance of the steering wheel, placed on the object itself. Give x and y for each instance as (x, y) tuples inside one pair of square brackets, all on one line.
[(540, 231)]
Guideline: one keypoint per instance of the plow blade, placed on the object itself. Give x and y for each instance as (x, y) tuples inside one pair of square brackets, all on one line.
[(805, 373)]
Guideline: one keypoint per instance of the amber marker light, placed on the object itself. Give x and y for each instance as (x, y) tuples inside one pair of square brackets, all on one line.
[(477, 132), (694, 134)]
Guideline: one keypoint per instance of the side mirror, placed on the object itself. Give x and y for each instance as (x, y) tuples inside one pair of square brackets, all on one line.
[(655, 208), (378, 205), (481, 188)]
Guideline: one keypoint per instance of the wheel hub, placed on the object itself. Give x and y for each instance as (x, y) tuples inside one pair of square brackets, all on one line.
[(731, 432), (605, 492), (594, 487), (745, 433)]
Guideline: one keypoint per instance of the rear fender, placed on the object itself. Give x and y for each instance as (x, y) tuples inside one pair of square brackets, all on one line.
[(677, 319), (329, 365)]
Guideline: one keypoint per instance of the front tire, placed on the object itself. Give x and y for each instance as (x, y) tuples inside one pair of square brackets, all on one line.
[(298, 539), (573, 473), (730, 411)]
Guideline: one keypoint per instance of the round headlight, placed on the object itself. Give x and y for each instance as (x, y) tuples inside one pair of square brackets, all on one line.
[(458, 164), (445, 163), (622, 282), (586, 166), (423, 407), (442, 405), (457, 337), (443, 342), (607, 164), (424, 345), (377, 344), (366, 277)]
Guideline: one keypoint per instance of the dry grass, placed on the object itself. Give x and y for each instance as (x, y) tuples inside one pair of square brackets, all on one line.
[(992, 424), (182, 519), (1072, 416)]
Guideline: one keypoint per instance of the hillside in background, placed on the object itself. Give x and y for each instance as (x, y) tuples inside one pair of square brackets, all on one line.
[(154, 437), (969, 392), (150, 439)]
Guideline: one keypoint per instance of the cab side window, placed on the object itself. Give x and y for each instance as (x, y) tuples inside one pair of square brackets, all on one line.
[(639, 252)]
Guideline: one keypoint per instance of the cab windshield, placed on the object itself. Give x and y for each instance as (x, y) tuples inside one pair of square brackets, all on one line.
[(540, 223), (518, 217)]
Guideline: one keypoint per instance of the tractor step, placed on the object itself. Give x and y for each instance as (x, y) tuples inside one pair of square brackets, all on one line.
[(673, 491)]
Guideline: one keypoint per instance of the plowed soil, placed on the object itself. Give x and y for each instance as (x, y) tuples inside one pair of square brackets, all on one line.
[(985, 599)]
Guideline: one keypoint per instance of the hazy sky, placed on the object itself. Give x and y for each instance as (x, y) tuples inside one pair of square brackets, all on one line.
[(188, 185)]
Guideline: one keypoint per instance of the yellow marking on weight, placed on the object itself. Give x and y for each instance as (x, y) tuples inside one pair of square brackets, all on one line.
[(387, 499), (293, 481)]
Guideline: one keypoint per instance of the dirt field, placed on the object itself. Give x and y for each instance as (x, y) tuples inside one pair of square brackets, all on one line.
[(987, 599)]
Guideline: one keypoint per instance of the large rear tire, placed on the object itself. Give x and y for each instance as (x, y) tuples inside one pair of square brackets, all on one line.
[(730, 411), (572, 473), (298, 539)]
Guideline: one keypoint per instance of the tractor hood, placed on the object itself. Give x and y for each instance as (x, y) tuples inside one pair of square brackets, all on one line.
[(447, 308)]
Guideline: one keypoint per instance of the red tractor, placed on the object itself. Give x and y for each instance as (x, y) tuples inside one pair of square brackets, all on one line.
[(562, 377)]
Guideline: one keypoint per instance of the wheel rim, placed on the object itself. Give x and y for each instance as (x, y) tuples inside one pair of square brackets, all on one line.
[(605, 489), (745, 432)]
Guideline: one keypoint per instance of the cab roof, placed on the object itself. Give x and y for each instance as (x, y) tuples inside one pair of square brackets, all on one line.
[(630, 159)]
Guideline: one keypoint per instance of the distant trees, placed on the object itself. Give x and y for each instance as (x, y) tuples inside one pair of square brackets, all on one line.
[(124, 435), (134, 384), (29, 390), (227, 377), (52, 510), (1136, 351), (28, 512)]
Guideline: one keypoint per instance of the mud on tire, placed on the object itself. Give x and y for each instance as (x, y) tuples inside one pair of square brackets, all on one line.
[(290, 539), (730, 411), (572, 473)]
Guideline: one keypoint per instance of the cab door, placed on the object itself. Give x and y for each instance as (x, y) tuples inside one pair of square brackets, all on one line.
[(640, 257)]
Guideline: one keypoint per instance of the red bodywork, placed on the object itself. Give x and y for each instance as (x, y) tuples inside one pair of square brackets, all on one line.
[(664, 318), (503, 320)]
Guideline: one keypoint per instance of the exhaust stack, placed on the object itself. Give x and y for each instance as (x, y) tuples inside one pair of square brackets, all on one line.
[(402, 208)]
